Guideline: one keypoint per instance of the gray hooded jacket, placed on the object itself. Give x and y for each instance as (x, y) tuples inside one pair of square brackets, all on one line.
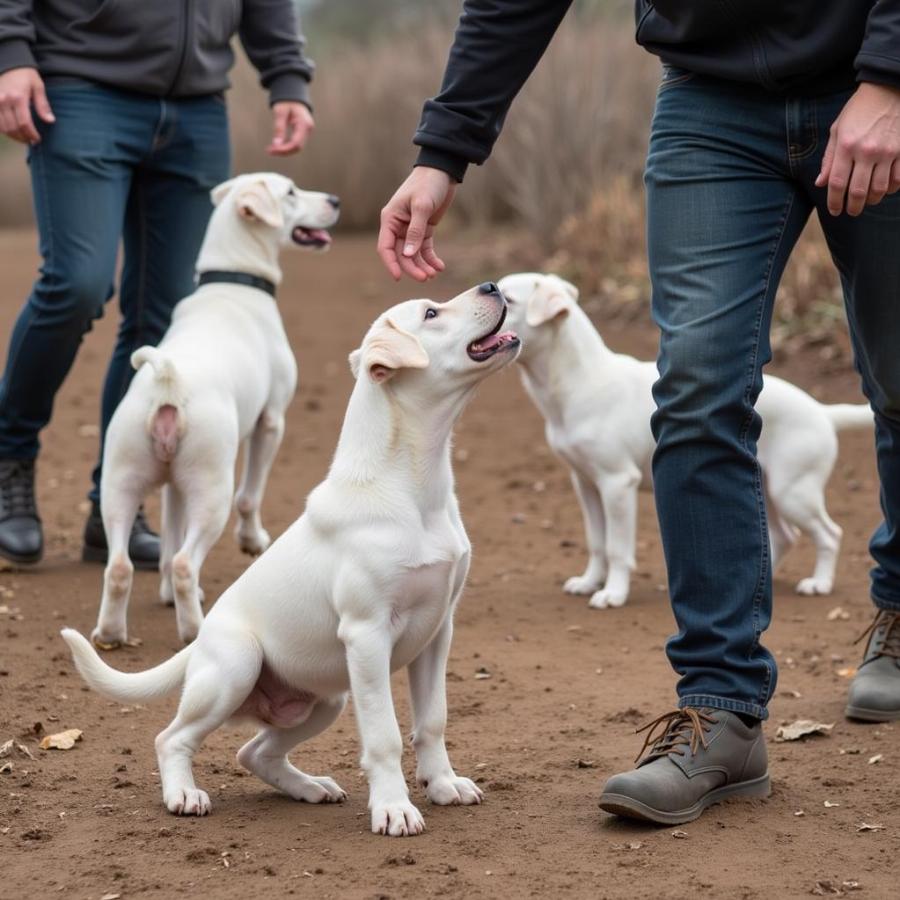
[(167, 48)]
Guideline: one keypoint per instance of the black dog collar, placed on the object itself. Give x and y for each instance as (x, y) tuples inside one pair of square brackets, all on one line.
[(254, 281)]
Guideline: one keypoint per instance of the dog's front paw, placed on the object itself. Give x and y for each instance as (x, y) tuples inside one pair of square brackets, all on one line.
[(399, 819), (188, 802), (581, 584), (254, 542), (453, 790), (605, 598), (812, 586)]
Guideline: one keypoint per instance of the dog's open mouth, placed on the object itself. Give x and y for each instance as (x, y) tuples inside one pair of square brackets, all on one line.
[(493, 342), (317, 238)]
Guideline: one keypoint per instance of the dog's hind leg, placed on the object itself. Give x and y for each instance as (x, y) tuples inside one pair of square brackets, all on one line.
[(214, 688), (171, 539), (802, 505), (266, 756), (595, 535), (259, 454), (206, 513), (119, 505)]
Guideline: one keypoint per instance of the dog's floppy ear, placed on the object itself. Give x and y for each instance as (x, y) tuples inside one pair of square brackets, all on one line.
[(220, 191), (386, 350), (256, 202), (549, 300)]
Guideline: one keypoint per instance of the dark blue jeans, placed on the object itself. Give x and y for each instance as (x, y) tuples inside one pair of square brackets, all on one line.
[(114, 165), (730, 184)]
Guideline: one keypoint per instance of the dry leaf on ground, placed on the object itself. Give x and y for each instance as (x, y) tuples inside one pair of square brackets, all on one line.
[(64, 740), (800, 729), (864, 826)]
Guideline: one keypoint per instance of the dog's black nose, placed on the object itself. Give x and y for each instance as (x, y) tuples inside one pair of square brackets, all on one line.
[(488, 288), (335, 201)]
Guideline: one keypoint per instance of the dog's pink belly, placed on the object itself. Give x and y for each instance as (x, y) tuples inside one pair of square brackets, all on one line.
[(275, 703)]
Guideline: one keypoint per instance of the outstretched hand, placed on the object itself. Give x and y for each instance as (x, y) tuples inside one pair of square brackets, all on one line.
[(862, 159), (406, 238)]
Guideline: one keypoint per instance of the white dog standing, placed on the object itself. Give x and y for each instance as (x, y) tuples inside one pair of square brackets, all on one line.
[(597, 406), (223, 375), (365, 582)]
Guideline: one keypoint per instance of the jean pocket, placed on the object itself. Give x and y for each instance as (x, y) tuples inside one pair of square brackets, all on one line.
[(673, 75)]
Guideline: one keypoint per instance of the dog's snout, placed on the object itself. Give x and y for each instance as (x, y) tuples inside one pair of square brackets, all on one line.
[(488, 288), (334, 201)]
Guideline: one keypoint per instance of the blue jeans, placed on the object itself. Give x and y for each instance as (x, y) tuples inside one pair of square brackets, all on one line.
[(730, 184), (114, 165)]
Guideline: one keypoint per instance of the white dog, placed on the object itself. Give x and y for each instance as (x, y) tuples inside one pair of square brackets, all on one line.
[(597, 406), (223, 375), (363, 583)]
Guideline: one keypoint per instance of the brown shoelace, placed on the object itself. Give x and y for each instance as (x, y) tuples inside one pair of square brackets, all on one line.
[(891, 646), (680, 728)]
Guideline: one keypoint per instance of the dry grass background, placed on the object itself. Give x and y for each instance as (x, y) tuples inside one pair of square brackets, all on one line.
[(565, 174)]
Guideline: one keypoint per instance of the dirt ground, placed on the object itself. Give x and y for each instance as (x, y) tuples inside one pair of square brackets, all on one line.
[(568, 684)]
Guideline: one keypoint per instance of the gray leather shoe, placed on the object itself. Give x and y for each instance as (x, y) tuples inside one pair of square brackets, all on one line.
[(875, 690), (702, 757)]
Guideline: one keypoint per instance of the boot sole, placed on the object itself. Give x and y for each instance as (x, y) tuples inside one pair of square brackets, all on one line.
[(629, 808), (861, 714), (17, 558), (101, 555)]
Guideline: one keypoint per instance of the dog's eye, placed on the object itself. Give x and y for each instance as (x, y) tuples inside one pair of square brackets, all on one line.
[(431, 313), (291, 192)]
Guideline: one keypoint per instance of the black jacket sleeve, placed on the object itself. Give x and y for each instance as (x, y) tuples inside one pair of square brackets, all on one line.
[(879, 58), (271, 36), (498, 43)]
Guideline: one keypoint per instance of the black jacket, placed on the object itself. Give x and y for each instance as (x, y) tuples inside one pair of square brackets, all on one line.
[(802, 46), (159, 47)]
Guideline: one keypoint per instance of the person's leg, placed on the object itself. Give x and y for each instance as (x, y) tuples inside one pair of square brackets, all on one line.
[(866, 251), (723, 215), (168, 210), (80, 175)]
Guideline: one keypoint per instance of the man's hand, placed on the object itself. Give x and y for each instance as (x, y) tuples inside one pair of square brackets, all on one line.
[(19, 89), (862, 159), (405, 241), (292, 124)]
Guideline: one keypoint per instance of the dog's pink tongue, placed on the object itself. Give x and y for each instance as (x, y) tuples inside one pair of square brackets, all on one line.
[(492, 341)]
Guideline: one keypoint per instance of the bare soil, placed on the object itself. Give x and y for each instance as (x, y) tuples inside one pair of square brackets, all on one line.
[(568, 684)]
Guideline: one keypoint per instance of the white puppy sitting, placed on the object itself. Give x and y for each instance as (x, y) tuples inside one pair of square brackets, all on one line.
[(223, 375), (363, 583), (597, 406)]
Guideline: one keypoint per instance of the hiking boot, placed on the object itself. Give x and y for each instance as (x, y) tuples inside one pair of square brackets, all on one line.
[(21, 538), (701, 757), (143, 545), (875, 690)]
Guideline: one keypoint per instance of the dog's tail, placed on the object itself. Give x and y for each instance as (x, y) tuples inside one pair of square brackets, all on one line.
[(126, 687), (166, 423), (849, 415)]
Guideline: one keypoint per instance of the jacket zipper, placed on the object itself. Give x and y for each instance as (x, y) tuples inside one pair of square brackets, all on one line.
[(182, 44)]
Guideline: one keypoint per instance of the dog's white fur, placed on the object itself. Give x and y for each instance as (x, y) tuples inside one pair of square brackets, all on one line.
[(365, 582), (597, 406), (223, 375)]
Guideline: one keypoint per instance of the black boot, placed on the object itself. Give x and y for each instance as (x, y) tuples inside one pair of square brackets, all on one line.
[(21, 538), (143, 546)]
